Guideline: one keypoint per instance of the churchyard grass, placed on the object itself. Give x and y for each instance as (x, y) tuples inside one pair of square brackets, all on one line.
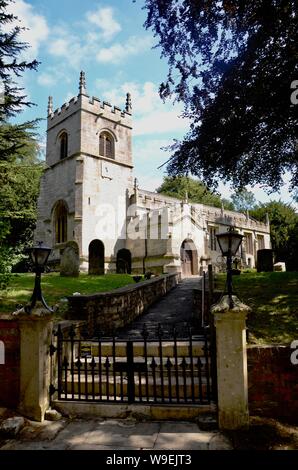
[(55, 288), (273, 298)]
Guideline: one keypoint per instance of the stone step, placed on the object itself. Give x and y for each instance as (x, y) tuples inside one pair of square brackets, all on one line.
[(168, 348), (169, 389)]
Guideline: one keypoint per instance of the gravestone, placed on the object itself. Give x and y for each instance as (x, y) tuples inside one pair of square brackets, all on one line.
[(281, 266), (264, 260), (70, 260)]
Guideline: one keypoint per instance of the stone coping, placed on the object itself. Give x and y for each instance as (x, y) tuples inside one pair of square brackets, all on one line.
[(123, 290)]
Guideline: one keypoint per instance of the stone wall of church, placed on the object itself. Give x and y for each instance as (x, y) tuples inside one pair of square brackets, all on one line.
[(99, 116), (104, 207), (57, 183), (66, 119)]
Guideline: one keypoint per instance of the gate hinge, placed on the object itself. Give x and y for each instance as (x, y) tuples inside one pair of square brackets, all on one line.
[(53, 349)]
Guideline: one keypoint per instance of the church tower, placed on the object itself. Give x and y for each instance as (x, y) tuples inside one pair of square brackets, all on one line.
[(86, 185)]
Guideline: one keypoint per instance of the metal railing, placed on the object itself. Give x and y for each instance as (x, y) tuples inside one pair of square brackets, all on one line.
[(151, 371)]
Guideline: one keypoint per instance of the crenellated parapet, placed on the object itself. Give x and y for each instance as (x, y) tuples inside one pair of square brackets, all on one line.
[(90, 104)]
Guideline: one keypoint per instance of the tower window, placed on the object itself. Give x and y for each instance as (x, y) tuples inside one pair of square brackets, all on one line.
[(63, 145), (106, 145), (60, 222)]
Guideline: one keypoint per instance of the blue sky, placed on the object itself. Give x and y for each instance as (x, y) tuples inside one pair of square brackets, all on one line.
[(107, 40)]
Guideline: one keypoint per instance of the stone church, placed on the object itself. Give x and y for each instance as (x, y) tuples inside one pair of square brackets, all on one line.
[(90, 198)]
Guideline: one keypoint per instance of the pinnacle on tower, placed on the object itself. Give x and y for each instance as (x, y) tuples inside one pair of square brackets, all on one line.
[(128, 106), (82, 86), (50, 105)]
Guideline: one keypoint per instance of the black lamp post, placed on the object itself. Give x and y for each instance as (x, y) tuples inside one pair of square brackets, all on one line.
[(39, 255), (229, 242)]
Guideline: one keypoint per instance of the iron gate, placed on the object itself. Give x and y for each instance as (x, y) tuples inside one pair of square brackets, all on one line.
[(158, 370)]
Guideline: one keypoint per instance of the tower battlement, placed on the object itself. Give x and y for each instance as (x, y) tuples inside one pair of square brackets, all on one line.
[(91, 104), (86, 125)]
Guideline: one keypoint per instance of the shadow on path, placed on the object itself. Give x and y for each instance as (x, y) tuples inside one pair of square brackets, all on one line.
[(174, 309)]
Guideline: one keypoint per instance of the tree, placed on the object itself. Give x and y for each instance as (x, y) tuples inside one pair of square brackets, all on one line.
[(12, 65), (19, 189), (20, 168), (283, 230), (231, 63), (243, 200), (196, 192)]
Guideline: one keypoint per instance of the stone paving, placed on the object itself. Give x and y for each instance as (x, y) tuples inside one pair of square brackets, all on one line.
[(176, 308), (108, 434)]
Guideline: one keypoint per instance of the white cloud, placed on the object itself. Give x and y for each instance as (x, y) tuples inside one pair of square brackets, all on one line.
[(46, 79), (72, 48), (160, 123), (148, 156), (103, 18), (152, 116), (50, 76), (119, 52), (60, 47), (37, 28)]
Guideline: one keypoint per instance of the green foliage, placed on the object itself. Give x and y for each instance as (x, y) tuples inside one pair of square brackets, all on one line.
[(19, 188), (283, 231), (12, 64), (273, 298), (5, 267), (231, 63), (55, 288), (196, 192), (20, 169)]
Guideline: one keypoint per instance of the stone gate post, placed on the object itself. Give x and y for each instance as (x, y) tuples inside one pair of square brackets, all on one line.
[(35, 339), (230, 326)]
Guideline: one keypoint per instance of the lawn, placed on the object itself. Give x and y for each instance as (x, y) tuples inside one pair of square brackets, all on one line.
[(273, 298), (55, 287)]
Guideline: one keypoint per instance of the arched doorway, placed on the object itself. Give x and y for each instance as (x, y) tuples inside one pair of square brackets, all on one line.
[(123, 262), (96, 257), (189, 258)]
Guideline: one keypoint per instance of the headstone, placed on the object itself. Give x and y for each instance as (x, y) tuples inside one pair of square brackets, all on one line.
[(70, 260), (265, 260), (281, 266)]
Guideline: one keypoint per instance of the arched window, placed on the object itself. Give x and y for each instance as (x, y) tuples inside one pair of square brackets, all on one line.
[(60, 222), (63, 145), (106, 145)]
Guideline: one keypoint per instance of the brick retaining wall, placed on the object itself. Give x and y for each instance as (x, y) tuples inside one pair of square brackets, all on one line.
[(110, 311), (272, 383), (10, 370)]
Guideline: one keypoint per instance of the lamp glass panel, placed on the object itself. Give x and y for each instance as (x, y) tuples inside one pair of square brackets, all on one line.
[(229, 242), (42, 255), (223, 240), (235, 243)]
